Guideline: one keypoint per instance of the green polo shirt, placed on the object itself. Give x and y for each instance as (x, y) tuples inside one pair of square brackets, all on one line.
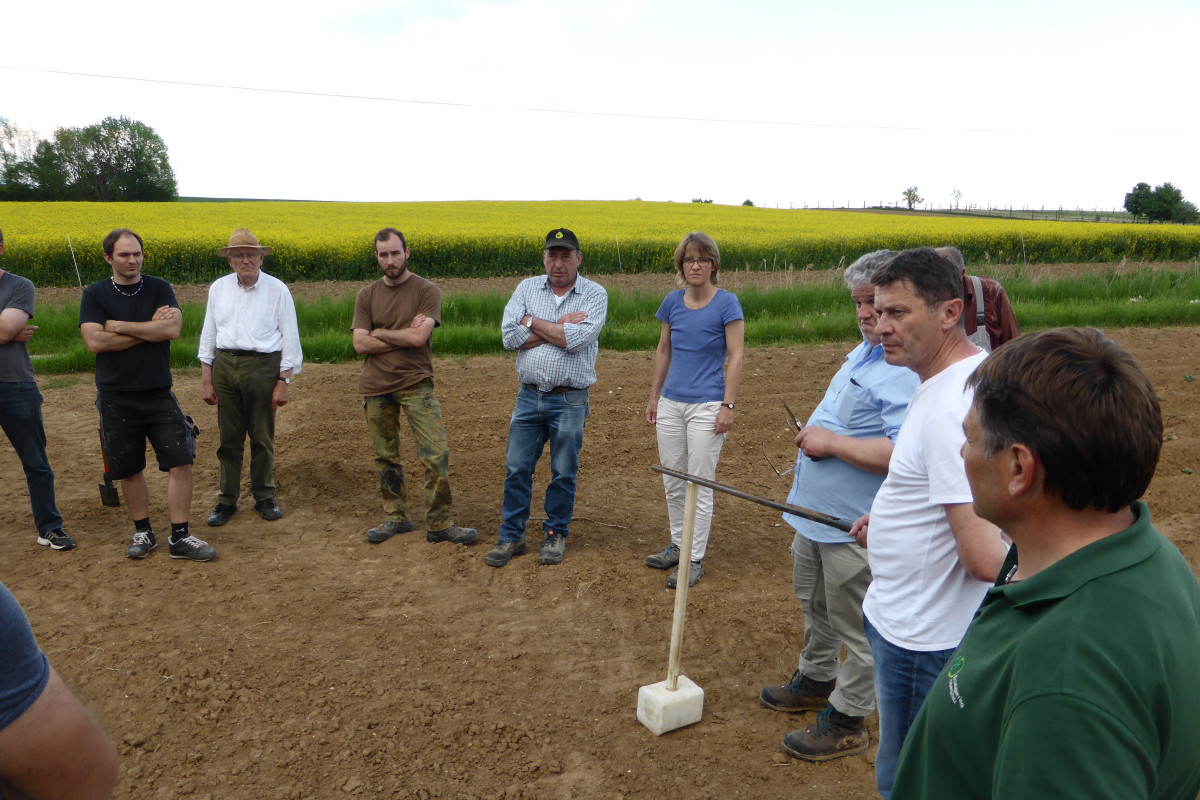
[(1082, 681)]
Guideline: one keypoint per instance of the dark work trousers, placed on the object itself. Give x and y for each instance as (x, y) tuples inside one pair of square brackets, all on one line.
[(244, 384)]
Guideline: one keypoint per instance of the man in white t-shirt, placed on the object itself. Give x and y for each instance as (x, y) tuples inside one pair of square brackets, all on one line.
[(932, 559)]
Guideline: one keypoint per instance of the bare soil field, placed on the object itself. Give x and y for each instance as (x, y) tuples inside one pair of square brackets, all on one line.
[(304, 662)]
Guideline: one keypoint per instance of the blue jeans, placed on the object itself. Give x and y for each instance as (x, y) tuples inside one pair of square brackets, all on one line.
[(902, 679), (537, 418), (21, 418)]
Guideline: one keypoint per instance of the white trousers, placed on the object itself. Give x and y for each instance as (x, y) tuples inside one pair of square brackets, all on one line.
[(688, 443)]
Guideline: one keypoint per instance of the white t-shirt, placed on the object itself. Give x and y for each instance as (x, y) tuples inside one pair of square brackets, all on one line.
[(922, 598)]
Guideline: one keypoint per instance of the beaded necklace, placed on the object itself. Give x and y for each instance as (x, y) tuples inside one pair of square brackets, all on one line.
[(141, 283)]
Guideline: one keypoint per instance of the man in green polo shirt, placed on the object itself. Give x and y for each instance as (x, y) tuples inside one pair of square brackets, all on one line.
[(1077, 676)]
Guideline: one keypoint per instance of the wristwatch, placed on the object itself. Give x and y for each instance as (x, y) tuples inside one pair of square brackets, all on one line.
[(530, 323), (728, 405), (285, 380)]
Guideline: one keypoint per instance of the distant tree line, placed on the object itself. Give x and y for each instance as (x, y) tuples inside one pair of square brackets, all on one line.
[(116, 159), (1163, 203)]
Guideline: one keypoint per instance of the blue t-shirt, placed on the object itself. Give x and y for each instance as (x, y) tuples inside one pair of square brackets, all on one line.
[(24, 669), (866, 399), (696, 374)]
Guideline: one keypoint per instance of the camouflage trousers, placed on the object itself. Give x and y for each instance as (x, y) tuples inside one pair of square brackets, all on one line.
[(424, 414)]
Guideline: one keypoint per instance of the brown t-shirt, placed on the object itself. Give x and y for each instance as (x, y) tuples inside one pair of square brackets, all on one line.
[(382, 306)]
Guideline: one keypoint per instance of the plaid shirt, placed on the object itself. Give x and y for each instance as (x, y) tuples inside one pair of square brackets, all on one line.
[(548, 365)]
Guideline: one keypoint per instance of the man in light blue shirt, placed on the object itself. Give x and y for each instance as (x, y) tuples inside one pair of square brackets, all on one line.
[(554, 323), (844, 454)]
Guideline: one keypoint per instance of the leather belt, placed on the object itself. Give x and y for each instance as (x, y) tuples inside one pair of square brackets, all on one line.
[(555, 390), (243, 353)]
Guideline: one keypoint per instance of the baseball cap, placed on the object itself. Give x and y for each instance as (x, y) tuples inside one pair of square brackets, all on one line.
[(561, 237)]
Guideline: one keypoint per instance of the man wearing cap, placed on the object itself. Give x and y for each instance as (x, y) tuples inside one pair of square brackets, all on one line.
[(394, 318), (21, 406), (128, 320), (249, 351), (554, 323)]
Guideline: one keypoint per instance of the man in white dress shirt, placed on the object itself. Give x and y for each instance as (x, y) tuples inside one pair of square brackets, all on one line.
[(249, 351)]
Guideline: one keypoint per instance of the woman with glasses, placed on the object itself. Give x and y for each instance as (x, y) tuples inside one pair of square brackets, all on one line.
[(691, 395)]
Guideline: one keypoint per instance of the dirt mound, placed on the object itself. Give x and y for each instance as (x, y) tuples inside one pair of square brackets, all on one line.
[(305, 663)]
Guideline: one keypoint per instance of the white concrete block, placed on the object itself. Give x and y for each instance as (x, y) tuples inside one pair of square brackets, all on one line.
[(662, 710)]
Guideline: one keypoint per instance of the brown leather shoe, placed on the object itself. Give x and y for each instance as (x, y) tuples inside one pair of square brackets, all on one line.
[(835, 735), (801, 693)]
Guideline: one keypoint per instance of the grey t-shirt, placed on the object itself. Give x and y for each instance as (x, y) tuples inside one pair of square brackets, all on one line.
[(15, 292)]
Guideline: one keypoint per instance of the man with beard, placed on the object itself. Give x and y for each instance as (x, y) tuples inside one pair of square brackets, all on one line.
[(394, 318)]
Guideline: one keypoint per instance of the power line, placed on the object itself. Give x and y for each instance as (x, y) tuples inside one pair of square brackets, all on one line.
[(609, 114)]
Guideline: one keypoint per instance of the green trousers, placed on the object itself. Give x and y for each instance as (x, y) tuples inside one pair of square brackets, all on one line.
[(424, 414), (244, 386)]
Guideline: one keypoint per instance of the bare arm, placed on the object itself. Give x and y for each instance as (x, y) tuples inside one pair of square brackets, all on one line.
[(165, 325), (415, 335), (13, 326), (99, 340), (869, 455), (207, 392), (57, 751), (980, 548), (658, 375), (735, 336)]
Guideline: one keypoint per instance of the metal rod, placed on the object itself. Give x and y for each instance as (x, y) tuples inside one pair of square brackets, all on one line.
[(814, 516)]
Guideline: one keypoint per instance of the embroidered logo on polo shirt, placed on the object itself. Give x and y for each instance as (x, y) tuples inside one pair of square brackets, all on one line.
[(956, 667)]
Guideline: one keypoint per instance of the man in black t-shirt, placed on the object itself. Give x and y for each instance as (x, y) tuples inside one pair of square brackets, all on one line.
[(128, 321)]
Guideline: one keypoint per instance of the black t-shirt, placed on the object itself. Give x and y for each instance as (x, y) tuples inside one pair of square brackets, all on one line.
[(144, 366)]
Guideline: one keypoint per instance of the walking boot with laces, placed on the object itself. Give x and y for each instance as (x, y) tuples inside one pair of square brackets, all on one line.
[(834, 735), (801, 693)]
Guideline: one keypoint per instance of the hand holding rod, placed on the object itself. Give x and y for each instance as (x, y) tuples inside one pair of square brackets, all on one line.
[(804, 513)]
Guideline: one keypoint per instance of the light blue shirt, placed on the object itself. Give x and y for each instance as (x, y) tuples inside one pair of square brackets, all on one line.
[(549, 365), (697, 346), (866, 399)]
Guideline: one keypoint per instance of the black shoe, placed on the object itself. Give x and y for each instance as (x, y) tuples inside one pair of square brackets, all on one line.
[(220, 515), (191, 548), (554, 548), (801, 693), (453, 534), (269, 509), (56, 540), (503, 552), (387, 529), (143, 542)]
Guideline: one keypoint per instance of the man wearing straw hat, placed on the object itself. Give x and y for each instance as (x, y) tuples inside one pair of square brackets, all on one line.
[(249, 351)]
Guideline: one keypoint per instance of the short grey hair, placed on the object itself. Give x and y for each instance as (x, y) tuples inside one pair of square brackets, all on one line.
[(859, 273), (953, 255)]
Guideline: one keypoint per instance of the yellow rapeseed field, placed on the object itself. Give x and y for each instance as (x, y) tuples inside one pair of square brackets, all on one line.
[(333, 241)]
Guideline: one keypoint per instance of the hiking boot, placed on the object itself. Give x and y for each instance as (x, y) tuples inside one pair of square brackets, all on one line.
[(387, 529), (453, 534), (801, 693), (695, 573), (665, 558), (221, 514), (835, 735), (143, 542), (554, 547), (503, 552), (56, 540), (190, 547), (268, 509)]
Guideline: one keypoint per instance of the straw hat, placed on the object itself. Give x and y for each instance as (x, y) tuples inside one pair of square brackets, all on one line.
[(243, 238)]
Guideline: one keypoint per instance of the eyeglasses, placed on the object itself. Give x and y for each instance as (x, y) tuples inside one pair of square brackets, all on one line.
[(699, 262), (772, 463), (244, 256)]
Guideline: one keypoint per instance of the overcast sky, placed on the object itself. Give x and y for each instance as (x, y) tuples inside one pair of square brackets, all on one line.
[(783, 103)]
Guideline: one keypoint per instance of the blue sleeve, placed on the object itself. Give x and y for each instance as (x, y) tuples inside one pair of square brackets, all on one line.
[(595, 305), (666, 307), (24, 669), (731, 309)]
